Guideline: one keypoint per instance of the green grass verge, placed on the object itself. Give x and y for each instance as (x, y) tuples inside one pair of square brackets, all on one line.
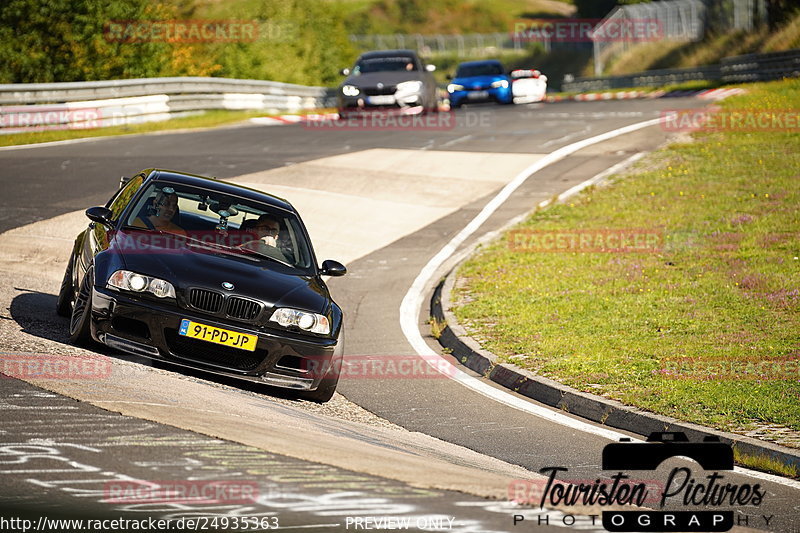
[(765, 464), (208, 119), (724, 288)]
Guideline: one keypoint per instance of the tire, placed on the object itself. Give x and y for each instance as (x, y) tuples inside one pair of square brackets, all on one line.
[(324, 392), (80, 319), (66, 293)]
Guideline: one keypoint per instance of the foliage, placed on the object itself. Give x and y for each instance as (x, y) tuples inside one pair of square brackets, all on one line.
[(594, 8), (432, 16), (63, 40), (300, 41)]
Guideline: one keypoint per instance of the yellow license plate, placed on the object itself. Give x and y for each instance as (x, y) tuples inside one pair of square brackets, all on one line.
[(226, 337)]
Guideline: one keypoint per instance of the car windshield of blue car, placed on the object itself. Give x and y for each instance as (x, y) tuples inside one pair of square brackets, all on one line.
[(385, 64), (486, 69), (221, 223)]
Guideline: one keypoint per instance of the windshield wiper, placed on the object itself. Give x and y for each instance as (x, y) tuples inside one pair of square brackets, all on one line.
[(154, 230), (266, 256)]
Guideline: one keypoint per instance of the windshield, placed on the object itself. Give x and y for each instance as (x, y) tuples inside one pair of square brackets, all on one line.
[(219, 222), (385, 64), (483, 69)]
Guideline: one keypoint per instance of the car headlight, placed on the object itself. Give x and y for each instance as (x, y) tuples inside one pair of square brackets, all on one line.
[(350, 90), (500, 83), (132, 281), (409, 87), (286, 317), (453, 87)]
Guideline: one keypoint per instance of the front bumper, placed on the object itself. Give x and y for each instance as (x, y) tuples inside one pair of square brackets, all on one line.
[(384, 102), (150, 328), (496, 94)]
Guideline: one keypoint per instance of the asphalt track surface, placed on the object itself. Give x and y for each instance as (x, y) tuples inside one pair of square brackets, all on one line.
[(40, 183)]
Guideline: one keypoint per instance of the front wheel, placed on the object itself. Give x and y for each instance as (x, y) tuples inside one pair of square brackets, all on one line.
[(324, 392), (65, 294), (79, 322)]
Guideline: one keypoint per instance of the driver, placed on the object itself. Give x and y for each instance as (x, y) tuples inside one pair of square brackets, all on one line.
[(165, 206), (267, 229)]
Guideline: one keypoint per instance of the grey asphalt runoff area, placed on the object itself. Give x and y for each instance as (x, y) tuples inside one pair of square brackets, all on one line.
[(41, 183), (71, 461)]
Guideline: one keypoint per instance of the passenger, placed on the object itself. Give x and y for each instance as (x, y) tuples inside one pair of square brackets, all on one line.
[(165, 207), (267, 229)]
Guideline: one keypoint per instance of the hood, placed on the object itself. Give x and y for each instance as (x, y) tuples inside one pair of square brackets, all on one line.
[(186, 265), (372, 79), (470, 82)]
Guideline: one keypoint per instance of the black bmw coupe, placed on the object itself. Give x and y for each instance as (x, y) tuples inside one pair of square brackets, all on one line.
[(206, 274)]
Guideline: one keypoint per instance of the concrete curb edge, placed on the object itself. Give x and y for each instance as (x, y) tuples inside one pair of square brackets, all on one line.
[(606, 412)]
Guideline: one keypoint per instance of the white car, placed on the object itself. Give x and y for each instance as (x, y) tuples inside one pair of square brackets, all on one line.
[(528, 86)]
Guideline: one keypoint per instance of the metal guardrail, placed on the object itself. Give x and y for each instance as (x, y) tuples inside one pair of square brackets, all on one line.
[(761, 67), (116, 102), (746, 68), (650, 78), (42, 93)]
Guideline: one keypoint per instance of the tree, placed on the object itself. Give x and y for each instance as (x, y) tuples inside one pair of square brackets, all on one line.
[(594, 9), (64, 40)]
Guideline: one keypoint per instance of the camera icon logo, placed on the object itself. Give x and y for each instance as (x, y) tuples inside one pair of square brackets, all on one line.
[(711, 454)]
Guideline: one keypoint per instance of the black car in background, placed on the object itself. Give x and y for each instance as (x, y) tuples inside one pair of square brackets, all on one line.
[(388, 80), (200, 289)]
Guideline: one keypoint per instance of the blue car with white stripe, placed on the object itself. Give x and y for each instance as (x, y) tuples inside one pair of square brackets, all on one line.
[(480, 81)]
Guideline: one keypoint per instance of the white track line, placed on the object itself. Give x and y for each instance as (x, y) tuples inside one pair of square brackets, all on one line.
[(412, 302), (56, 143)]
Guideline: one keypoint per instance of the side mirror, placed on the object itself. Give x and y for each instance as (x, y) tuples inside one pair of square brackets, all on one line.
[(101, 215), (333, 268), (430, 68), (345, 72), (123, 180)]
